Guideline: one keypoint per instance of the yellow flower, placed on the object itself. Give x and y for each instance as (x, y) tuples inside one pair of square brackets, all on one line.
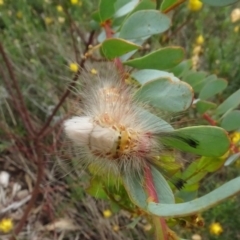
[(6, 225), (235, 15), (194, 5), (93, 71), (19, 14), (74, 2), (59, 8), (216, 228), (1, 2), (107, 213), (48, 20), (235, 137), (73, 67), (236, 29), (200, 40)]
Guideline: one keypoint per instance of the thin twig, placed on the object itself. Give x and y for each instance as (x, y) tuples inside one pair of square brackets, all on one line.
[(23, 109)]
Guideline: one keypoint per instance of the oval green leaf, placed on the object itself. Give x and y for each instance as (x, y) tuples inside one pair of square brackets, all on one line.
[(106, 9), (165, 94), (195, 79), (144, 23), (116, 47), (227, 190), (182, 68), (164, 192), (212, 88), (135, 188), (203, 106), (219, 3), (146, 75), (230, 103), (162, 59), (203, 140), (231, 121)]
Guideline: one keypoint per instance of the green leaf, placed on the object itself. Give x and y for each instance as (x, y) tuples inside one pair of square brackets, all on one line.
[(106, 9), (124, 7), (144, 5), (227, 190), (219, 3), (167, 4), (203, 140), (203, 106), (164, 192), (195, 79), (165, 94), (230, 103), (116, 47), (181, 68), (146, 75), (212, 88), (135, 189), (232, 159), (231, 121), (96, 17), (164, 58), (96, 189), (211, 164), (144, 23)]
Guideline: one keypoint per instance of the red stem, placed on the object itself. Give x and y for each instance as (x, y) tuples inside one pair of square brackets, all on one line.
[(209, 119), (153, 197)]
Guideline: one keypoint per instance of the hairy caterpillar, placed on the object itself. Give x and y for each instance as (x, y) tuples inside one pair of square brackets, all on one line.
[(114, 130)]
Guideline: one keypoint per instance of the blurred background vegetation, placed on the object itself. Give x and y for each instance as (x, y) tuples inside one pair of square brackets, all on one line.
[(45, 41)]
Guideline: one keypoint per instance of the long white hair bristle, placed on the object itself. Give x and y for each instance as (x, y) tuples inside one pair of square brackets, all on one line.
[(114, 132)]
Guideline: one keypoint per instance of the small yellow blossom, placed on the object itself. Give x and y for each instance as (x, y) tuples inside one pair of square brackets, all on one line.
[(194, 5), (107, 213), (216, 228), (48, 20), (73, 67), (235, 137), (59, 8), (74, 2), (93, 71), (236, 29), (61, 19), (200, 40), (6, 225), (19, 14), (235, 15), (115, 228), (1, 2)]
